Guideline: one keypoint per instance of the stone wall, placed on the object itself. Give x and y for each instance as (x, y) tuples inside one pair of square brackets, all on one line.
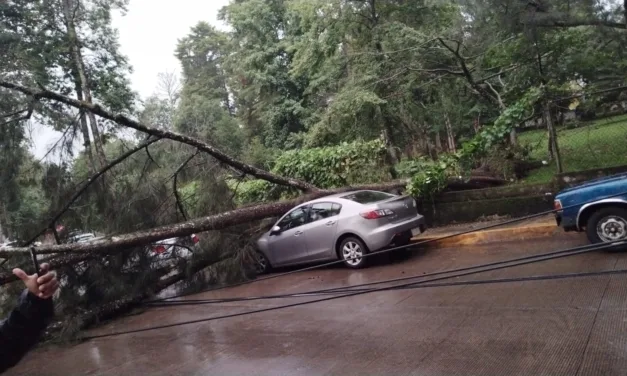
[(469, 206), (514, 201)]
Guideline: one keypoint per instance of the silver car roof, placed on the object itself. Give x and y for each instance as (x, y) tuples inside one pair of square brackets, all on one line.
[(340, 195)]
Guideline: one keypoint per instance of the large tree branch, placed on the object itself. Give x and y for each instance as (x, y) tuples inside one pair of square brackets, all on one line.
[(466, 71), (220, 221), (559, 20), (26, 116), (90, 181), (125, 121), (213, 222), (177, 197), (438, 70)]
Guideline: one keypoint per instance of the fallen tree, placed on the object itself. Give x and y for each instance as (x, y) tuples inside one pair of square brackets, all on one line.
[(220, 221), (209, 223), (72, 254)]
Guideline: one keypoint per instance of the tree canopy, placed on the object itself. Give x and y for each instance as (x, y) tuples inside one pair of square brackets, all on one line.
[(295, 97)]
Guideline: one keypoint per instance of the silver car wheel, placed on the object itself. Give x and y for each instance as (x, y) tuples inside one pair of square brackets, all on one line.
[(352, 253), (612, 228), (262, 264)]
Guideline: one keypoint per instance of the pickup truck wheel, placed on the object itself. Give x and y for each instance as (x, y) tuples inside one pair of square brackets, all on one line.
[(607, 225)]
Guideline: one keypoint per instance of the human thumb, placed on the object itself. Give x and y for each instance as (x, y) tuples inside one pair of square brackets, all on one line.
[(19, 273)]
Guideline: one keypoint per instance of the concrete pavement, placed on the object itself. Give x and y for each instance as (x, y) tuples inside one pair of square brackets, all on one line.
[(559, 327)]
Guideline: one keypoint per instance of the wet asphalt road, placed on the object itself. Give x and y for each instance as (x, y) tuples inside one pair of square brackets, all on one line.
[(557, 327)]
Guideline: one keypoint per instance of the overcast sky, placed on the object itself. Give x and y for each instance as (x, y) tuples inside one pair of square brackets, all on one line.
[(148, 34)]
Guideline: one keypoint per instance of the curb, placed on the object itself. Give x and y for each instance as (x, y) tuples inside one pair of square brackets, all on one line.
[(491, 236)]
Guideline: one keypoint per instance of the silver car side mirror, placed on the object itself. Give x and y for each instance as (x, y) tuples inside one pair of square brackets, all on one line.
[(275, 230)]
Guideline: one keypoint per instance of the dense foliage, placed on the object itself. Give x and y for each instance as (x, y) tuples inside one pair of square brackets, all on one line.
[(332, 92)]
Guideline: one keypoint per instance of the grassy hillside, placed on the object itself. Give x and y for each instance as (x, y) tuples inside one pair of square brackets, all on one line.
[(601, 143)]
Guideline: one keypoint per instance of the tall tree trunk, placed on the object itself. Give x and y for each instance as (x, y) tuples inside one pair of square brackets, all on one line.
[(390, 155), (553, 145), (513, 136), (85, 129), (438, 142), (428, 145), (227, 99), (69, 8), (450, 137)]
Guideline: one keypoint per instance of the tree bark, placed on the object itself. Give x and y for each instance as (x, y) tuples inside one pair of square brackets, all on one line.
[(553, 145), (561, 20), (438, 142), (69, 8), (390, 154), (450, 137), (513, 136), (85, 129), (160, 133)]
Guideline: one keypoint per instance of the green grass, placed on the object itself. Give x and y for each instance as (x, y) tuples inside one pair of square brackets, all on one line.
[(598, 144)]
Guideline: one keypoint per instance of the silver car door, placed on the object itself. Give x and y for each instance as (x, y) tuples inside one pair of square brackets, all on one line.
[(289, 246), (320, 233)]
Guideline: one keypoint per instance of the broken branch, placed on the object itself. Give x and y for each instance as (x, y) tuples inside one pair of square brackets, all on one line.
[(213, 222), (90, 181), (177, 197), (127, 122)]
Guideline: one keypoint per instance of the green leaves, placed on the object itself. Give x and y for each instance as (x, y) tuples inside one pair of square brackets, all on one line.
[(333, 166), (326, 167)]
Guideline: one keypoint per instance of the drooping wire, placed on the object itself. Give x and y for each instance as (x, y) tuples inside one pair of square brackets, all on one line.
[(354, 287), (451, 284), (351, 294), (515, 220), (336, 290)]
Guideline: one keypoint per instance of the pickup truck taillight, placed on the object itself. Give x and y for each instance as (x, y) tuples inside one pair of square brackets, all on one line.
[(557, 205)]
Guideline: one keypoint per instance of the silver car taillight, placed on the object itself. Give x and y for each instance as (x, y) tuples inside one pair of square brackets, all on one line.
[(376, 214)]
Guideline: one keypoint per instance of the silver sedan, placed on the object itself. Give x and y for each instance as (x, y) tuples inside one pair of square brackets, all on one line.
[(343, 226)]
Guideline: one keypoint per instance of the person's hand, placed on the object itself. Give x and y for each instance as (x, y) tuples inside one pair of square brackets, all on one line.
[(42, 287)]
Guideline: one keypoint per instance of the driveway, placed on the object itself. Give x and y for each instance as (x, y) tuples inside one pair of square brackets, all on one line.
[(575, 326)]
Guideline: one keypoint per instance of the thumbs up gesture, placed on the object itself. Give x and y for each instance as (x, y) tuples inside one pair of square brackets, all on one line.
[(43, 286)]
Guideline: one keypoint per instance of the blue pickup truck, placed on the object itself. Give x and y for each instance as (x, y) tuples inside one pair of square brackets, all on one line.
[(598, 207)]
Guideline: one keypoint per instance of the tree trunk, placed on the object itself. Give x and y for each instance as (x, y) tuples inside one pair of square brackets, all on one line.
[(438, 142), (450, 137), (476, 125), (553, 145), (390, 154), (85, 128), (513, 137), (69, 7)]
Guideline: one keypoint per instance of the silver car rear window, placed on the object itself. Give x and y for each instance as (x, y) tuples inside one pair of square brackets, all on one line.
[(368, 197)]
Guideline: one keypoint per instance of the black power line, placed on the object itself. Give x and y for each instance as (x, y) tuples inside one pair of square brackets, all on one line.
[(444, 284), (573, 252), (516, 220), (335, 290)]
